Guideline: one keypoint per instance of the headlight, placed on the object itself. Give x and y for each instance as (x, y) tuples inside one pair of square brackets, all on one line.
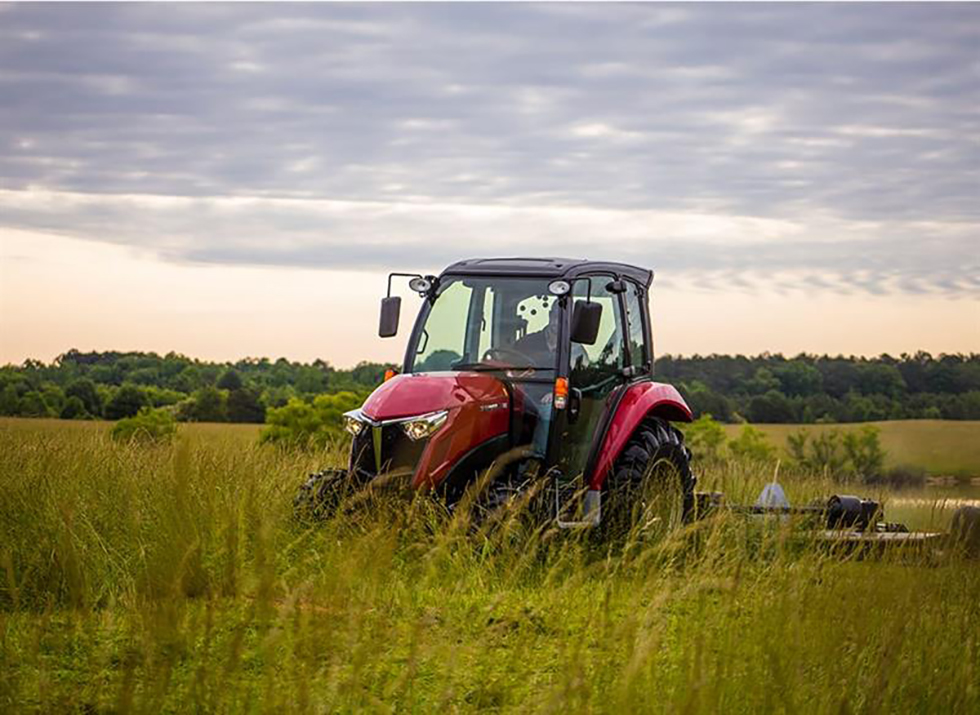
[(353, 423), (422, 427)]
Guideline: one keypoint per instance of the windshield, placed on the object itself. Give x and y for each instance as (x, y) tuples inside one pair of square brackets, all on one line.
[(489, 324)]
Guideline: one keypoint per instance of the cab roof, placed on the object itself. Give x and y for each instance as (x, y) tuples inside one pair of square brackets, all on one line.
[(546, 268)]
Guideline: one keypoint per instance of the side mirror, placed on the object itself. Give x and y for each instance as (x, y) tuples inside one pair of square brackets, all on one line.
[(390, 310), (585, 322)]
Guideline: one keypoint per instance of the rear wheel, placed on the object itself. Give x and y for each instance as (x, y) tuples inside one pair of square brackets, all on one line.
[(651, 489)]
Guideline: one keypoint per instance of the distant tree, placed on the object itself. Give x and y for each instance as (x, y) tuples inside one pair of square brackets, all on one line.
[(53, 396), (84, 389), (437, 361), (703, 401), (127, 402), (210, 405), (772, 407), (839, 376), (879, 379), (74, 409), (797, 379), (244, 406), (187, 380), (310, 380), (230, 380), (370, 374), (762, 382), (106, 374), (32, 405), (9, 401)]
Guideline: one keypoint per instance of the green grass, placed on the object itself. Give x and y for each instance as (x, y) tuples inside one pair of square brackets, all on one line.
[(940, 446), (148, 578)]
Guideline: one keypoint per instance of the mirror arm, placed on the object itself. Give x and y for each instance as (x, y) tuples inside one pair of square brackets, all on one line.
[(402, 275)]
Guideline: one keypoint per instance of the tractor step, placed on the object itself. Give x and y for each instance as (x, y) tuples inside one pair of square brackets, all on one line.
[(573, 512)]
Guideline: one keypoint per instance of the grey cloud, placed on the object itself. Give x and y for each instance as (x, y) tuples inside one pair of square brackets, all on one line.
[(864, 113)]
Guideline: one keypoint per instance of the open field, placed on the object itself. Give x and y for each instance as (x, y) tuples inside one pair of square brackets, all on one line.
[(939, 446), (173, 577)]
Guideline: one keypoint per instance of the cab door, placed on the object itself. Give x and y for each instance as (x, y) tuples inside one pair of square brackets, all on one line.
[(594, 373)]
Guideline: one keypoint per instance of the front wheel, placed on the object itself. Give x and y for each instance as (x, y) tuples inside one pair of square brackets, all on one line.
[(320, 495), (650, 491)]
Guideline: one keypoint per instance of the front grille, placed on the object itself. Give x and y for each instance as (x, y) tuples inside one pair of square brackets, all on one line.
[(397, 452)]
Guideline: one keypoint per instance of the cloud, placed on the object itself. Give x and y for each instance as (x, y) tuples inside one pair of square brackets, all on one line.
[(840, 143)]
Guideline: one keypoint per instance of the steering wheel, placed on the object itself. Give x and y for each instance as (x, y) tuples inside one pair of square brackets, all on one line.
[(508, 355)]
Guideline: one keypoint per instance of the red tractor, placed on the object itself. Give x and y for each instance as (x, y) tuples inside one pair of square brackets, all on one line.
[(541, 367)]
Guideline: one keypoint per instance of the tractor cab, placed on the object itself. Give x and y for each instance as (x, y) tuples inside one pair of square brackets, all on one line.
[(516, 362)]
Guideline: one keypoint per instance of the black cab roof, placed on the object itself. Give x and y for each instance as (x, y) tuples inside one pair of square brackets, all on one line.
[(546, 268)]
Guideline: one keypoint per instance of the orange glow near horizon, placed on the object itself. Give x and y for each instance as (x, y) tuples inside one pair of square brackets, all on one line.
[(59, 293)]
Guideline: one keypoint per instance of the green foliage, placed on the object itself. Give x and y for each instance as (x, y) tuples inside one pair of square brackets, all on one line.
[(439, 360), (855, 453), (207, 404), (864, 452), (704, 401), (148, 425), (127, 402), (709, 445), (74, 409), (304, 424), (798, 379), (752, 444), (9, 401), (230, 380), (85, 390), (705, 438), (32, 404), (772, 407), (244, 405)]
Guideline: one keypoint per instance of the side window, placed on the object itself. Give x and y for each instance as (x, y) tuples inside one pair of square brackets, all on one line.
[(605, 356), (638, 349)]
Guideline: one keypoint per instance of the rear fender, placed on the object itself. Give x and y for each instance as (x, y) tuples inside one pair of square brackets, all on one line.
[(642, 400)]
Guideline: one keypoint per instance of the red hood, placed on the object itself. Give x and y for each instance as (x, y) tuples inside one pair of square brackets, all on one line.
[(420, 393)]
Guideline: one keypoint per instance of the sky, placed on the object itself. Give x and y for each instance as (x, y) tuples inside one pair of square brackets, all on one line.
[(236, 180)]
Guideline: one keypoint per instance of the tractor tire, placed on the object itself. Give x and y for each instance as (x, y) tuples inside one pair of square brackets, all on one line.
[(650, 491), (321, 494)]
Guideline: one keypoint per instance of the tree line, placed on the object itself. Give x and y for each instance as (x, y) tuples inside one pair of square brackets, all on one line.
[(762, 389), (114, 385), (810, 388)]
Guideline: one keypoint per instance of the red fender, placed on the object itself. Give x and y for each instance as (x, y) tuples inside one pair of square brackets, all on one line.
[(641, 400)]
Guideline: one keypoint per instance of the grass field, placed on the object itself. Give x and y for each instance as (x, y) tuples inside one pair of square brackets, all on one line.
[(173, 578), (940, 446)]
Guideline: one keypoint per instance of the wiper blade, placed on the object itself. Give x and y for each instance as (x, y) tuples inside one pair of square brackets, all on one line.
[(484, 367), (475, 366)]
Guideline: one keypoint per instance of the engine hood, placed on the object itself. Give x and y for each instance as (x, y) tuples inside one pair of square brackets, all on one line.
[(420, 393)]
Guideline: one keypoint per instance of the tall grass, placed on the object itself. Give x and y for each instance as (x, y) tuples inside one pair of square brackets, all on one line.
[(141, 578)]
